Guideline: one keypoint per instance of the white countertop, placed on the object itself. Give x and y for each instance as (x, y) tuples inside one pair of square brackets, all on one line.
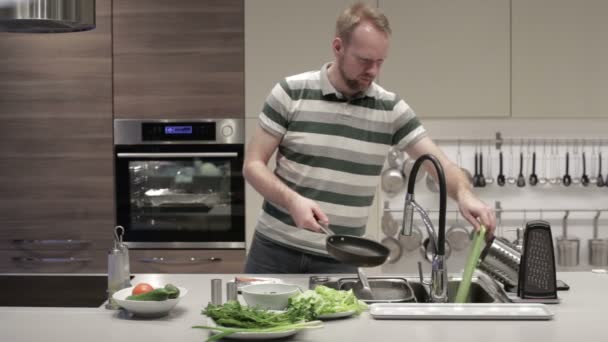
[(581, 316)]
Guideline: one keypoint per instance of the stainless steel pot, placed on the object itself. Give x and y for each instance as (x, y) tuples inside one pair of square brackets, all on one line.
[(501, 260), (394, 247), (392, 181), (413, 241)]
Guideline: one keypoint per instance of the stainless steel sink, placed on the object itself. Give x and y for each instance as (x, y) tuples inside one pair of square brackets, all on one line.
[(399, 289)]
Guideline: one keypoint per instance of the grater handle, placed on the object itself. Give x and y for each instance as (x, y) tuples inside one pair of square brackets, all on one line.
[(596, 219), (565, 224)]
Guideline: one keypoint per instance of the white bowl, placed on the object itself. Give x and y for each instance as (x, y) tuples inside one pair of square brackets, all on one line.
[(269, 296), (149, 308)]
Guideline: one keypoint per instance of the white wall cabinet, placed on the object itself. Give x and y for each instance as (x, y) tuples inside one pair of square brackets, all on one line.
[(449, 59), (284, 38), (560, 58)]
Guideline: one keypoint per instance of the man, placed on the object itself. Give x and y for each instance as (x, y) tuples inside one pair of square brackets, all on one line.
[(333, 129)]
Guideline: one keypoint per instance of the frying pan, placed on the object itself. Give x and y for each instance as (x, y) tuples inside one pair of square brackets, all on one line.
[(353, 250)]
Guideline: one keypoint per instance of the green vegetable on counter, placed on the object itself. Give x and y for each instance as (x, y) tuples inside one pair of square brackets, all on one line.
[(232, 317), (233, 314), (302, 313), (324, 300), (224, 331), (170, 291)]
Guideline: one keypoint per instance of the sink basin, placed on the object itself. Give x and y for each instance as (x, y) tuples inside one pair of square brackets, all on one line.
[(399, 290), (407, 298)]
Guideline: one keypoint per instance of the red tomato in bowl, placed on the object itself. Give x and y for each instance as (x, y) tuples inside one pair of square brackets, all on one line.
[(142, 288)]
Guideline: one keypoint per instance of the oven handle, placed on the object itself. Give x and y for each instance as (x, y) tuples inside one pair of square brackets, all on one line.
[(176, 155)]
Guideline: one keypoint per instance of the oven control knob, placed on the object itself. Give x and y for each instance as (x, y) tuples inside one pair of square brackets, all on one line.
[(227, 131)]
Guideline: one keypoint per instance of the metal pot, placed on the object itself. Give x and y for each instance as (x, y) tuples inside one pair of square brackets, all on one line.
[(395, 158), (395, 249), (392, 181), (407, 169), (501, 260), (413, 241), (390, 227), (458, 236)]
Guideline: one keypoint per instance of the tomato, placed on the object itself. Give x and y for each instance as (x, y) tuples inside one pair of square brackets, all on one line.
[(142, 288)]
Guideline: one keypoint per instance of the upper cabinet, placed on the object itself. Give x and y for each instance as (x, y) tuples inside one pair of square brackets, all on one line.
[(285, 38), (560, 58), (449, 58), (56, 189), (178, 59)]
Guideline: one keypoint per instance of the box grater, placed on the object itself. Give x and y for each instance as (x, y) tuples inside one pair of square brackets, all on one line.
[(537, 278)]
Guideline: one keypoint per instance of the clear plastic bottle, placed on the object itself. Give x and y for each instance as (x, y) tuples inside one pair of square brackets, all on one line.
[(119, 276)]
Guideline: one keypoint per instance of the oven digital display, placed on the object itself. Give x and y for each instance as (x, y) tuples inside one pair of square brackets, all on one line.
[(178, 129)]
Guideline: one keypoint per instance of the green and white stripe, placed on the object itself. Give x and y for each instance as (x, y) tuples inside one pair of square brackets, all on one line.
[(332, 151)]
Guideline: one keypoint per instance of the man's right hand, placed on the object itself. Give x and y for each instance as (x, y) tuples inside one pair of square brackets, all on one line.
[(306, 213)]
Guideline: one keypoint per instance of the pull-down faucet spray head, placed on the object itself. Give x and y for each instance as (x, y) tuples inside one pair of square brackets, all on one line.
[(408, 215)]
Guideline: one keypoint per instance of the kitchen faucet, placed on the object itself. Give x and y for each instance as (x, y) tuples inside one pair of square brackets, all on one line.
[(439, 274)]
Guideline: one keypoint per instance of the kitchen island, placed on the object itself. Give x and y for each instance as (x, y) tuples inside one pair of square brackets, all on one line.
[(581, 316)]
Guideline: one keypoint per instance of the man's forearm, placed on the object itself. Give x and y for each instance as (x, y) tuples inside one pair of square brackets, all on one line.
[(457, 182), (455, 179), (268, 184)]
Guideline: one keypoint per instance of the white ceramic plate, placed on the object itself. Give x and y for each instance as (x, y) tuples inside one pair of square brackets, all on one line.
[(252, 335), (337, 315), (147, 308)]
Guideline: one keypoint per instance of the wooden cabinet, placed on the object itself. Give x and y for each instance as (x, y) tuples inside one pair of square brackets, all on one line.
[(560, 58), (285, 38), (56, 146), (178, 59), (53, 261), (188, 261), (449, 59)]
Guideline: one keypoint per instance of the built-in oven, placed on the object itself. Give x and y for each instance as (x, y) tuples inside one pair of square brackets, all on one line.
[(179, 184)]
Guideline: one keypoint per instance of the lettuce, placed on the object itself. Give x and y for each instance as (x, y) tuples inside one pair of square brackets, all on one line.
[(323, 300)]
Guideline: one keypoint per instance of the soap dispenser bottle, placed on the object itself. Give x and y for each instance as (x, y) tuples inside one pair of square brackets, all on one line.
[(119, 275)]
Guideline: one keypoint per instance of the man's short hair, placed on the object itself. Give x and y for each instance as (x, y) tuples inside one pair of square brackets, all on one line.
[(357, 13)]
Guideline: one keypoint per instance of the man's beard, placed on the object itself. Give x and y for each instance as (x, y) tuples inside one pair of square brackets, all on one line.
[(351, 83)]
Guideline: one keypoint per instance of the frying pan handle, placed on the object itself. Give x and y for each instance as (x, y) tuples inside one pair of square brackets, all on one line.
[(325, 228)]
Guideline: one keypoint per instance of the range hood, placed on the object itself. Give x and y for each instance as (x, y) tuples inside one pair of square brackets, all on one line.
[(47, 16)]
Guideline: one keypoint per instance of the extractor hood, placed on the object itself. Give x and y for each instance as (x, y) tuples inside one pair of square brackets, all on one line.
[(47, 16)]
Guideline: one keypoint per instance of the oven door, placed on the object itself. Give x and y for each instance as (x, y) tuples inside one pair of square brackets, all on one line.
[(181, 196)]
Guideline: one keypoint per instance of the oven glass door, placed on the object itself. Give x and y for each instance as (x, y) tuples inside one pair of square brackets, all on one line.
[(181, 195)]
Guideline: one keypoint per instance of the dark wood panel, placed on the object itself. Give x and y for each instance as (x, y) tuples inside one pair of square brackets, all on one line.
[(57, 75), (178, 59), (12, 261), (56, 174), (83, 136), (188, 261)]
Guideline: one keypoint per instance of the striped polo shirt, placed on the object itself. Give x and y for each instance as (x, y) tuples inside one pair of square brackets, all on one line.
[(332, 151)]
